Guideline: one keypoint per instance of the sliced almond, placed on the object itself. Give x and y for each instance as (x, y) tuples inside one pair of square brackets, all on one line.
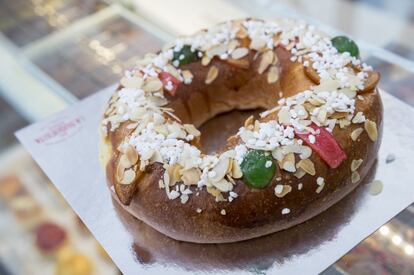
[(257, 43), (304, 152), (156, 157), (216, 193), (309, 106), (273, 75), (355, 177), (161, 129), (205, 60), (256, 126), (137, 113), (355, 164), (375, 187), (356, 133), (152, 85), (176, 130), (188, 76), (191, 176), (248, 121), (217, 50), (239, 63), (371, 128), (212, 74), (282, 190), (230, 167), (316, 101), (267, 59), (119, 173), (327, 85), (288, 163), (129, 177), (147, 155), (132, 155), (132, 126), (339, 115), (312, 74), (132, 82), (348, 92), (344, 123), (307, 166), (236, 171), (124, 162), (223, 185), (239, 53), (166, 178), (299, 173), (321, 183), (371, 81), (174, 173), (233, 45), (322, 115), (358, 118), (283, 116), (220, 169), (192, 130)]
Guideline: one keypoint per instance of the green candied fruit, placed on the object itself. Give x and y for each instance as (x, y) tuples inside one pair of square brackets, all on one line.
[(185, 55), (344, 44), (257, 170)]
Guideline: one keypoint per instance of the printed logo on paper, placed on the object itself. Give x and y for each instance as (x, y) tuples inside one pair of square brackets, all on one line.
[(60, 129)]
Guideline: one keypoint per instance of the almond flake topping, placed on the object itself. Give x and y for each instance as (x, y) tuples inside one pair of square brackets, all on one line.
[(307, 166), (239, 53), (273, 75), (375, 187), (282, 190), (371, 128), (355, 177), (355, 164), (153, 85), (157, 135), (321, 183), (129, 177), (212, 74), (356, 133), (267, 59)]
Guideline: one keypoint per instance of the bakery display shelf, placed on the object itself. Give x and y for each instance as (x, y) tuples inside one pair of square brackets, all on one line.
[(27, 95), (36, 94), (11, 121), (27, 201), (94, 51), (388, 251), (23, 22)]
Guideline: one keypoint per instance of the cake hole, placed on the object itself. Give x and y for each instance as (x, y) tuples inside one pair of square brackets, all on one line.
[(216, 131)]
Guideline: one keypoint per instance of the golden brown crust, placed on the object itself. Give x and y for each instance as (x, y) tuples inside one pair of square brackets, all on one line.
[(152, 246), (256, 212)]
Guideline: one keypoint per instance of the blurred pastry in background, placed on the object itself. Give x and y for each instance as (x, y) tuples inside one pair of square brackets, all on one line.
[(26, 210), (50, 237), (10, 186), (73, 263)]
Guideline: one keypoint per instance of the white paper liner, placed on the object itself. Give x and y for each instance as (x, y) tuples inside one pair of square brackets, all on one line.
[(66, 147)]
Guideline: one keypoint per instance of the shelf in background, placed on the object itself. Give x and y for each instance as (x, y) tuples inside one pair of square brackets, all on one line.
[(24, 21), (11, 121)]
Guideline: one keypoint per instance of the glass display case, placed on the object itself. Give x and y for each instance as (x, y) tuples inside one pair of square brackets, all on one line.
[(57, 52)]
